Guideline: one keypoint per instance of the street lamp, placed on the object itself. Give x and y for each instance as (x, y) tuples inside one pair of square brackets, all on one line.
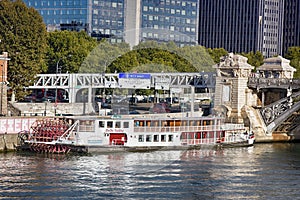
[(58, 68)]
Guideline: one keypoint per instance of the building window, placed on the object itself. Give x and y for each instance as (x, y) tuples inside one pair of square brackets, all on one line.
[(170, 138)]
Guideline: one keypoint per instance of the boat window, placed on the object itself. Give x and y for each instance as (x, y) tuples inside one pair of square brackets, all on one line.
[(155, 138), (141, 138), (154, 123), (101, 124), (86, 126), (118, 124), (170, 138), (148, 138), (163, 138), (125, 124), (137, 123), (109, 124)]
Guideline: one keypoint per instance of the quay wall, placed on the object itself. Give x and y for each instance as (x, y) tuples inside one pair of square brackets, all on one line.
[(9, 129), (8, 142)]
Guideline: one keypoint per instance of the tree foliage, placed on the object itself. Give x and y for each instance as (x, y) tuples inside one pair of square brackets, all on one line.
[(23, 35), (151, 60), (67, 50), (102, 56), (293, 54), (217, 53), (255, 59)]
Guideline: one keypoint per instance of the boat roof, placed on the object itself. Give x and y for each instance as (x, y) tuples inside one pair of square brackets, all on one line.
[(142, 117)]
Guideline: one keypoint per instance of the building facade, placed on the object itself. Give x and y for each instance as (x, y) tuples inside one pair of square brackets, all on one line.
[(268, 26), (126, 20), (291, 32), (170, 20), (56, 12), (242, 26)]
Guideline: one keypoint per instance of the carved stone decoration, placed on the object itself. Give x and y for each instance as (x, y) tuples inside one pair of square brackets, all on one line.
[(233, 65), (273, 111)]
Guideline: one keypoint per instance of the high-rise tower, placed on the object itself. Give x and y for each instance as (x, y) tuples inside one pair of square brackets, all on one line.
[(242, 26)]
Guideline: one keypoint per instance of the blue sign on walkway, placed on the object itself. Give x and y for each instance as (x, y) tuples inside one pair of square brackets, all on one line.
[(135, 80), (135, 76)]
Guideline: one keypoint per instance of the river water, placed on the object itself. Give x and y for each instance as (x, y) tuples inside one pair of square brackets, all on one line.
[(265, 171)]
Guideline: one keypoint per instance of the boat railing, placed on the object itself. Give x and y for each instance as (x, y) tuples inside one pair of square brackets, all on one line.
[(86, 128), (232, 126), (177, 128), (235, 138), (197, 141)]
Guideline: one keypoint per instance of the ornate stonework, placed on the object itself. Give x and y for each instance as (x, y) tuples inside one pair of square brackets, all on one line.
[(233, 66), (231, 85)]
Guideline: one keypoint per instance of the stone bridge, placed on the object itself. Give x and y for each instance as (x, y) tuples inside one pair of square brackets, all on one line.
[(267, 101), (281, 115)]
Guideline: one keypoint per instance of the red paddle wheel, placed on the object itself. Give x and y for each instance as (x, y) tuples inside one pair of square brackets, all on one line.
[(45, 133)]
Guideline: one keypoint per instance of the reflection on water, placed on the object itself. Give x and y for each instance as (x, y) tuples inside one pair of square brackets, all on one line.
[(265, 171)]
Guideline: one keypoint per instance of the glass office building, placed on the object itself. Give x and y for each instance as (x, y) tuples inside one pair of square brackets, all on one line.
[(108, 18), (56, 12), (166, 20), (132, 20), (291, 33), (242, 26), (269, 26)]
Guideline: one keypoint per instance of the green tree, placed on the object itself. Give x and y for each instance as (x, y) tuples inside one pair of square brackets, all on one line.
[(184, 59), (67, 50), (255, 59), (23, 35), (151, 60), (217, 53), (198, 56), (293, 54), (101, 57)]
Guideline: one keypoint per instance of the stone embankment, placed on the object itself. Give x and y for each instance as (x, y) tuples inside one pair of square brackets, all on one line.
[(8, 142)]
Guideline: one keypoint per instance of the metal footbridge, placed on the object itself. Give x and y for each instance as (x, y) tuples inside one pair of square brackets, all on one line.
[(74, 83)]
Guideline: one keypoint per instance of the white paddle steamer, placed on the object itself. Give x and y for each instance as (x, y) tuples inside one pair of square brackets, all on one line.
[(103, 134)]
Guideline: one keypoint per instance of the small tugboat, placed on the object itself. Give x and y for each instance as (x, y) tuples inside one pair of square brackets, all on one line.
[(141, 133)]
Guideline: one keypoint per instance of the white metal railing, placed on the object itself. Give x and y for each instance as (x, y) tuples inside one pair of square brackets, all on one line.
[(189, 128), (176, 128), (198, 141), (86, 128)]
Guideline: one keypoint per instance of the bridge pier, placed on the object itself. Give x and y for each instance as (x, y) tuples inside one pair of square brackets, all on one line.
[(231, 91)]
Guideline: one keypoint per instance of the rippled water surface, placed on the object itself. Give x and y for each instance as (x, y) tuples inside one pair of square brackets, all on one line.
[(265, 171)]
